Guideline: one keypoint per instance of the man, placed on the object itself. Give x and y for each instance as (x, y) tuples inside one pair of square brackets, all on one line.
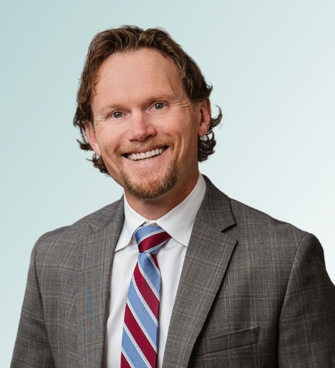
[(225, 285)]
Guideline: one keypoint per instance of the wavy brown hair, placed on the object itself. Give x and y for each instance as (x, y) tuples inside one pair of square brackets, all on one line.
[(128, 38)]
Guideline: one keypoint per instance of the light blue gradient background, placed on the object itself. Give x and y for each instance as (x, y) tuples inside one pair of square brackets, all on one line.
[(272, 67)]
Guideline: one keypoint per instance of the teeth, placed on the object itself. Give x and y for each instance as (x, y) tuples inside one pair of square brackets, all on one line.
[(148, 154)]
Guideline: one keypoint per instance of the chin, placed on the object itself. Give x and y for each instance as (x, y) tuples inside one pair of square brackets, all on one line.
[(150, 189)]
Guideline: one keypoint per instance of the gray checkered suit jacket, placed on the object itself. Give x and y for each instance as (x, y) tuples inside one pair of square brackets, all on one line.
[(253, 292)]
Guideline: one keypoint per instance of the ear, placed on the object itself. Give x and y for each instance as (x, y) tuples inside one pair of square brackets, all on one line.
[(206, 115), (91, 137)]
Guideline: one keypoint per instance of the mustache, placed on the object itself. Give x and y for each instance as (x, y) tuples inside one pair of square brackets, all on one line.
[(147, 146)]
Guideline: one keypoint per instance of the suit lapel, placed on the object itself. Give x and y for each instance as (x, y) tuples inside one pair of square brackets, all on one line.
[(95, 258), (205, 265)]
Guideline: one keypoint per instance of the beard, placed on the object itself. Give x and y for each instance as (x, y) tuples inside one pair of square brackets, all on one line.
[(144, 188), (150, 189)]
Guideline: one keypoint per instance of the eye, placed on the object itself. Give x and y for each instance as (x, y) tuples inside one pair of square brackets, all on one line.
[(158, 106), (116, 115)]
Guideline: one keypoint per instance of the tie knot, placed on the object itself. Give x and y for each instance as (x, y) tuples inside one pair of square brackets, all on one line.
[(150, 238)]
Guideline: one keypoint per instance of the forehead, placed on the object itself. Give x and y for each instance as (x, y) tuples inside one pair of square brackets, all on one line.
[(137, 72)]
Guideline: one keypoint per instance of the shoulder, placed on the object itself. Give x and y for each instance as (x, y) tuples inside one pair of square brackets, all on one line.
[(269, 239), (251, 222), (253, 230), (265, 248), (62, 242)]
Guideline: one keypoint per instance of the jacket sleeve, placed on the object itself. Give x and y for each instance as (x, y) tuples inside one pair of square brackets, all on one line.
[(307, 322), (32, 348)]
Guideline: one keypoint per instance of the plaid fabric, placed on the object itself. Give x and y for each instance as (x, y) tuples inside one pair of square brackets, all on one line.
[(253, 292)]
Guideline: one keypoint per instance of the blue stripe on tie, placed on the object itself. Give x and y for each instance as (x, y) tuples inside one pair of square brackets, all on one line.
[(152, 287), (153, 263), (127, 357), (141, 325), (132, 353), (143, 303), (146, 231), (147, 321), (150, 271), (137, 300)]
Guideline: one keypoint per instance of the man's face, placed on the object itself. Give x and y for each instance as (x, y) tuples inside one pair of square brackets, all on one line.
[(145, 127)]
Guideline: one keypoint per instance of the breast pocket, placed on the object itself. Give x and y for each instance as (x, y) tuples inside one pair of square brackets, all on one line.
[(232, 340)]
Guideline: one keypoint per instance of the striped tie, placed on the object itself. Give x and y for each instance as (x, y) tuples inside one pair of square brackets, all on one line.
[(140, 329)]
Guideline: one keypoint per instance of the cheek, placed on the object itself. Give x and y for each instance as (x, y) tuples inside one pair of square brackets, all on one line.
[(180, 125), (107, 138)]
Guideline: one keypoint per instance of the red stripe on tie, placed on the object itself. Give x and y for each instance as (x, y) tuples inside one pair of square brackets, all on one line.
[(140, 338), (124, 362), (154, 258), (146, 291), (153, 240)]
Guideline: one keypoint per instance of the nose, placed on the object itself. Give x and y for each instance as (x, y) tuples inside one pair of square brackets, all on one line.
[(140, 127)]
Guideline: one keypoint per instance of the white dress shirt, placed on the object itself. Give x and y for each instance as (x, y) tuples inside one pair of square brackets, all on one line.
[(179, 224)]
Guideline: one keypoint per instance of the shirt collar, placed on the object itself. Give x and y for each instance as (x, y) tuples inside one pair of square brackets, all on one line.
[(178, 222)]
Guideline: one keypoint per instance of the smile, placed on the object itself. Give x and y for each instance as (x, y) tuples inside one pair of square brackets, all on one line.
[(145, 155)]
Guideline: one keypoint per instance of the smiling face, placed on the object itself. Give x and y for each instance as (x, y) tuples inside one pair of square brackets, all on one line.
[(145, 128)]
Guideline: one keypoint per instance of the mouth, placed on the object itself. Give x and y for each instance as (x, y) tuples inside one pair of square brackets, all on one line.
[(145, 155)]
